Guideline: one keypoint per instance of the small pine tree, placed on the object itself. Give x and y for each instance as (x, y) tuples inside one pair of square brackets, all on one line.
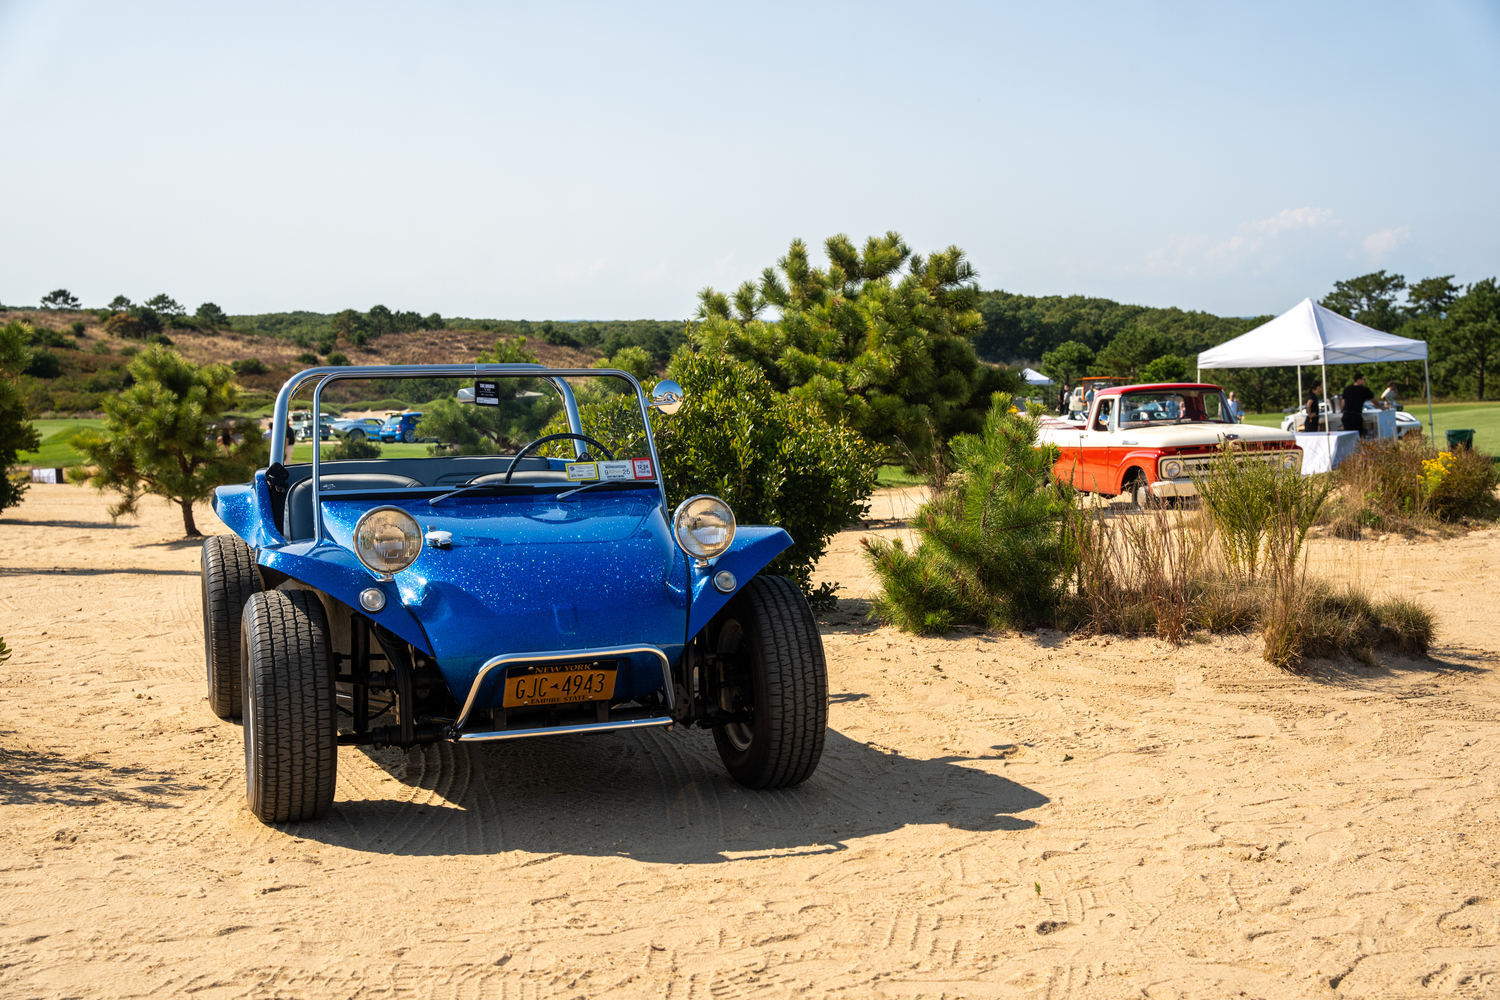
[(17, 434), (992, 549), (158, 436)]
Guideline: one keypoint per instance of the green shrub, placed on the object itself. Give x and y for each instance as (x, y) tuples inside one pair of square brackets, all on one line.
[(44, 364), (77, 329), (41, 336), (1462, 485), (774, 458), (307, 358), (338, 360), (249, 366), (160, 339), (992, 550)]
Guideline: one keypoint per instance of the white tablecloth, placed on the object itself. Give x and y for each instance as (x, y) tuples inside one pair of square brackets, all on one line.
[(1317, 448)]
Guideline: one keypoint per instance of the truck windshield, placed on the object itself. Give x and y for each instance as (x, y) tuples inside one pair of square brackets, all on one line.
[(1173, 406)]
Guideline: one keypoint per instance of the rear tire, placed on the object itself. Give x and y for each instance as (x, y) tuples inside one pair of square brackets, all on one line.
[(291, 736), (774, 656), (408, 436), (229, 578)]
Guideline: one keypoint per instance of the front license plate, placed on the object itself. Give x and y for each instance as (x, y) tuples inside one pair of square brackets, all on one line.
[(560, 684)]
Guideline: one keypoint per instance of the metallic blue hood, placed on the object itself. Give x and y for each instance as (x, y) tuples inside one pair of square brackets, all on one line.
[(536, 574)]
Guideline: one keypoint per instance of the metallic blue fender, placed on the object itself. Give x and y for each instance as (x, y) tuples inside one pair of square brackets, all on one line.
[(336, 572), (754, 546), (246, 511)]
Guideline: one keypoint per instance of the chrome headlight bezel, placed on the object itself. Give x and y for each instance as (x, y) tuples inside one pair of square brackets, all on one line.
[(700, 549), (365, 541), (1172, 468)]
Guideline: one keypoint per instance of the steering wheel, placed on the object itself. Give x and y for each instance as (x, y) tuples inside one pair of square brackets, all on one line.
[(553, 437)]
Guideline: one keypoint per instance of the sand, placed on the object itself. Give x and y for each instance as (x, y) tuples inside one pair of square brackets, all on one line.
[(995, 816)]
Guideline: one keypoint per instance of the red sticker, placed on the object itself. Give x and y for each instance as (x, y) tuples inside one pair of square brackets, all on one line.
[(642, 468)]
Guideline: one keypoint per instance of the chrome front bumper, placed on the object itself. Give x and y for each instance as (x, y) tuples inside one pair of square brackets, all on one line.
[(504, 662), (1173, 488)]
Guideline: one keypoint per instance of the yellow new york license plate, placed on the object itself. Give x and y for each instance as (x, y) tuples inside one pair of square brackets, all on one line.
[(561, 683)]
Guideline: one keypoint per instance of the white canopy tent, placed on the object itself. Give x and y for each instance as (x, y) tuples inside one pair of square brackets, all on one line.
[(1034, 377), (1308, 334)]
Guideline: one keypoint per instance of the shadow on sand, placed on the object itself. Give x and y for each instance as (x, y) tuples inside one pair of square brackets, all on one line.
[(656, 796)]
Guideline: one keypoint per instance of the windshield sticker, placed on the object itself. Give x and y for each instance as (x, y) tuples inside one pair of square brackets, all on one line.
[(614, 470), (580, 471), (487, 393), (642, 468)]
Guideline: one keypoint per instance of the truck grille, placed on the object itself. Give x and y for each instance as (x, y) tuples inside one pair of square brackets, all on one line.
[(1188, 465)]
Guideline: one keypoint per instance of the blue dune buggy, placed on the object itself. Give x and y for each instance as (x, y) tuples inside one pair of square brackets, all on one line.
[(525, 580)]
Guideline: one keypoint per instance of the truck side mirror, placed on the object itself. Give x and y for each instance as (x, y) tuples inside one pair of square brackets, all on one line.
[(667, 397), (466, 395)]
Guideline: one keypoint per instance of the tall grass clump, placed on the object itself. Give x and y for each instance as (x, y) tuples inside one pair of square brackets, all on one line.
[(990, 551), (1138, 575)]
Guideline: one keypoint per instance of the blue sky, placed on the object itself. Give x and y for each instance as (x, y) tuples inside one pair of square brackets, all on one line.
[(607, 161)]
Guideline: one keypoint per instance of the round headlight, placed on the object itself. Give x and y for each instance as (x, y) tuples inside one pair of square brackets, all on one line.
[(704, 526), (1172, 470), (1289, 460), (387, 540)]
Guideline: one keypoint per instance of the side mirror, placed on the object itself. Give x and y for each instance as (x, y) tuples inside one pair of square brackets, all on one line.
[(667, 397), (466, 395)]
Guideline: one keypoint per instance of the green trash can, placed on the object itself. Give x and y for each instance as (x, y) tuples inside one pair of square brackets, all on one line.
[(1460, 439)]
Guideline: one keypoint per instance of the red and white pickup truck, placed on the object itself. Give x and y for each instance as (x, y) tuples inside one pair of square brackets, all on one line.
[(1145, 440)]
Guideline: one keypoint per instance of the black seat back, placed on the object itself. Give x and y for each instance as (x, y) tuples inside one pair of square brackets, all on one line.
[(299, 509)]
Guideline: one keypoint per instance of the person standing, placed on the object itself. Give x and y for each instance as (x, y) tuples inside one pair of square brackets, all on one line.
[(1062, 400), (1356, 395), (1389, 399), (1313, 418), (1236, 411)]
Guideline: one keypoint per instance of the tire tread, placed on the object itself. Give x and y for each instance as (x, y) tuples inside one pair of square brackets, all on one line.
[(230, 578)]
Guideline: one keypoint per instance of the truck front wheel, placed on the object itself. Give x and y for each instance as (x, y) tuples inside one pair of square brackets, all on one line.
[(768, 644)]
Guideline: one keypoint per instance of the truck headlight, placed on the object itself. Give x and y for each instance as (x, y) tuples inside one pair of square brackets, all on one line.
[(1289, 460), (387, 540), (704, 526), (1171, 470)]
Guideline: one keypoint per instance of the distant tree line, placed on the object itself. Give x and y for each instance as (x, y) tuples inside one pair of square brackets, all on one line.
[(1068, 337)]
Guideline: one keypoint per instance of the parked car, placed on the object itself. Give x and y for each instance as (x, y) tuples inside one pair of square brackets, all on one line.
[(358, 428), (551, 591), (302, 422), (1407, 424), (400, 427), (1145, 441)]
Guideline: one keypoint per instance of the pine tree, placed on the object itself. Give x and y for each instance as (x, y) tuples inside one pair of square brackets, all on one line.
[(880, 348), (17, 434), (159, 436)]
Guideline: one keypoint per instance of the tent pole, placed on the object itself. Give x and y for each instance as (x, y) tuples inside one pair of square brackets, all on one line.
[(1327, 434), (1427, 379)]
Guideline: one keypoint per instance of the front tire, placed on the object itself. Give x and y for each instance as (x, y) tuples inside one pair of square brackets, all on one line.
[(773, 655), (229, 578), (291, 735)]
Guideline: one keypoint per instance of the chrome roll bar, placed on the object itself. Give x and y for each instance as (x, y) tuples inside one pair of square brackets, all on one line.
[(503, 662)]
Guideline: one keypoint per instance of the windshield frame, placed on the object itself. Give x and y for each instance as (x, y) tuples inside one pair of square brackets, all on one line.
[(557, 376), (1162, 394)]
